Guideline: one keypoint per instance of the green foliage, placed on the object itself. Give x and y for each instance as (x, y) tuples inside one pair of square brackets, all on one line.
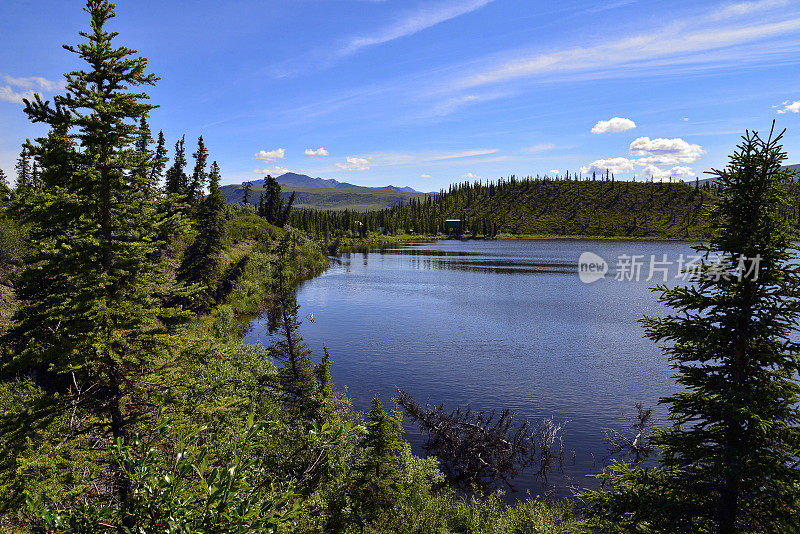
[(177, 182), (378, 482), (92, 326), (186, 493), (729, 461), (298, 383), (5, 192), (241, 226), (271, 205), (201, 263), (194, 191), (13, 240)]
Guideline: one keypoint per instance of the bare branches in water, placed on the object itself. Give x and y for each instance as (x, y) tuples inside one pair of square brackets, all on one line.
[(632, 447), (484, 450)]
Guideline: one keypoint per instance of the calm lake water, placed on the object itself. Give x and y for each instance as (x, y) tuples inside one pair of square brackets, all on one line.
[(497, 324)]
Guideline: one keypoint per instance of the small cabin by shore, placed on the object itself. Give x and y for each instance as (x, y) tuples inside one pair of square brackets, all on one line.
[(454, 226)]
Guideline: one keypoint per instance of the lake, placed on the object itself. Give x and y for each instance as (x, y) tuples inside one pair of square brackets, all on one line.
[(498, 324)]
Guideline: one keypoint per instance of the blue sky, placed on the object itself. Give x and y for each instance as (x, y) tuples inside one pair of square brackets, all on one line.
[(425, 93)]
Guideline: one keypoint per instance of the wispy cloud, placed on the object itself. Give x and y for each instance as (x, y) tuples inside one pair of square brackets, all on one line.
[(8, 94), (427, 16), (544, 147), (676, 44), (19, 88), (386, 159), (740, 9)]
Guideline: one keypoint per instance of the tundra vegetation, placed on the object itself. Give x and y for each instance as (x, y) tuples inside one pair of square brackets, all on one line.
[(129, 404)]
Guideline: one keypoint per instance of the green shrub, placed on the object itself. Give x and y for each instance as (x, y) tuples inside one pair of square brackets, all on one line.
[(245, 226)]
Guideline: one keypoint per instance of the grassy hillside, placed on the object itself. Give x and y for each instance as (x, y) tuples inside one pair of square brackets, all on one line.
[(325, 198)]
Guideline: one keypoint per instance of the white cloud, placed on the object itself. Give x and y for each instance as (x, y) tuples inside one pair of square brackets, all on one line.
[(318, 152), (26, 87), (7, 94), (553, 171), (665, 174), (274, 170), (614, 124), (424, 175), (354, 164), (615, 165), (684, 43), (470, 176), (793, 107), (271, 155), (540, 148), (425, 17), (685, 119), (662, 151), (35, 82)]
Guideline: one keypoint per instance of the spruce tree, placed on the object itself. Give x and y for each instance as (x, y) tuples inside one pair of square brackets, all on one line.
[(177, 181), (729, 460), (296, 375), (92, 325), (246, 188), (5, 190), (202, 260), (159, 160), (378, 482), (23, 168), (273, 202), (199, 175)]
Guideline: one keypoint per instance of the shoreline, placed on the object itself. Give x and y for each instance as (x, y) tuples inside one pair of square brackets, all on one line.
[(349, 244)]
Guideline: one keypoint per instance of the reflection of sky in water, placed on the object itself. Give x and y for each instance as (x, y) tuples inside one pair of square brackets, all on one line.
[(498, 324)]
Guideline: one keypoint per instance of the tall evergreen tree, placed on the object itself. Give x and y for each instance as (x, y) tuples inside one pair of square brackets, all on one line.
[(5, 189), (247, 187), (273, 202), (202, 260), (729, 460), (199, 175), (159, 160), (177, 181), (378, 481), (142, 145), (23, 168), (91, 326), (297, 380)]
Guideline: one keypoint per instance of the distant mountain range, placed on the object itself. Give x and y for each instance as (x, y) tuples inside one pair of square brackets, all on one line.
[(324, 194), (292, 179)]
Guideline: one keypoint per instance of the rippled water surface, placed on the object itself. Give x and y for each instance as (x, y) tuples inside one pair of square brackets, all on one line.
[(497, 324)]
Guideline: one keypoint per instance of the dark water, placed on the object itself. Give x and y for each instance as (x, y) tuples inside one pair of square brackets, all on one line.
[(497, 324)]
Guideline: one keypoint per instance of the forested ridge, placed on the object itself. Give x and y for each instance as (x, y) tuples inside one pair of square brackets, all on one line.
[(539, 207)]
